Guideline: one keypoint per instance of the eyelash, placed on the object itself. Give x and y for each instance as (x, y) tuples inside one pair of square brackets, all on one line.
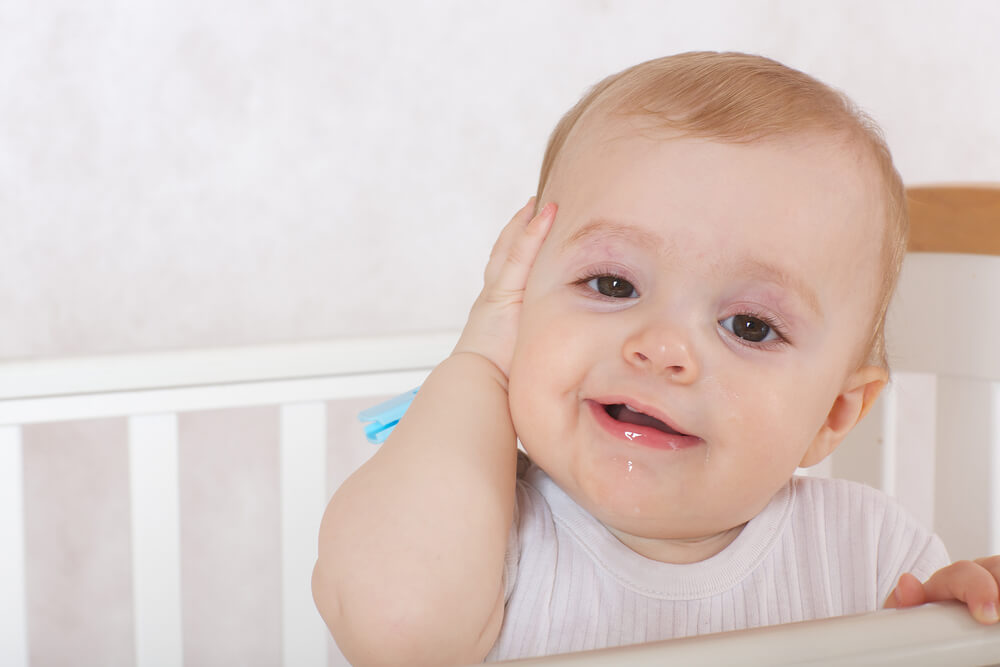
[(769, 320), (606, 272)]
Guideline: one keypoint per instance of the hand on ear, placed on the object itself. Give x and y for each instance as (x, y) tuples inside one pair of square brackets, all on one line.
[(853, 402)]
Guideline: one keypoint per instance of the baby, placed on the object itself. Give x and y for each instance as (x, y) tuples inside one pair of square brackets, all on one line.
[(692, 308)]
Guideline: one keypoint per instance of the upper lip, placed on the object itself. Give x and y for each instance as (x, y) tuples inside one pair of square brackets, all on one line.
[(643, 407)]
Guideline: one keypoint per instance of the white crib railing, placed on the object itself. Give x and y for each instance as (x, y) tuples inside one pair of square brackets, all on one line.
[(150, 391), (928, 636), (938, 428)]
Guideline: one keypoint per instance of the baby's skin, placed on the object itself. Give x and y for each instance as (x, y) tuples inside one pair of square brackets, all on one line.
[(579, 308)]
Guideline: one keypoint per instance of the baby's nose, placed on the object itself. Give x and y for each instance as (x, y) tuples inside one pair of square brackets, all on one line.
[(663, 349)]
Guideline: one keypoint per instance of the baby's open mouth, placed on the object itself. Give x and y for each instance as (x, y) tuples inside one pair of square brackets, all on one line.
[(624, 413)]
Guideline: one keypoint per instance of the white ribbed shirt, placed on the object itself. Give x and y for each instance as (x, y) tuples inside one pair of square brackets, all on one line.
[(820, 548)]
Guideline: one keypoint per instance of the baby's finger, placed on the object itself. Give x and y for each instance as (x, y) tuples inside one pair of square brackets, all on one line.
[(991, 564), (512, 274), (970, 582), (909, 592), (507, 236)]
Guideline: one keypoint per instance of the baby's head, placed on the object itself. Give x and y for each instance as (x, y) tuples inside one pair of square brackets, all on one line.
[(728, 236), (741, 98)]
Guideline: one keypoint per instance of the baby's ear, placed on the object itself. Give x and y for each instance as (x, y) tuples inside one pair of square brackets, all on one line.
[(855, 400)]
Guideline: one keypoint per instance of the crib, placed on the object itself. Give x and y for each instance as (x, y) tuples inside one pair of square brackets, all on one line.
[(162, 508)]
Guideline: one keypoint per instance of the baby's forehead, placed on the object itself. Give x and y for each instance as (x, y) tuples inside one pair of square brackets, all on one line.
[(599, 135), (624, 178)]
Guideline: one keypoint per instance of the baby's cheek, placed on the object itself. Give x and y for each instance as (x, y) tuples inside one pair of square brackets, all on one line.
[(523, 417), (785, 420), (528, 390), (518, 390)]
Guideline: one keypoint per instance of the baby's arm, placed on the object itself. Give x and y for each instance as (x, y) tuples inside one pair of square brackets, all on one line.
[(976, 583), (411, 547)]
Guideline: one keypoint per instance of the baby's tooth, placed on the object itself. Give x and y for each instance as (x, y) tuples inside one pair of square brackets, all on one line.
[(630, 408)]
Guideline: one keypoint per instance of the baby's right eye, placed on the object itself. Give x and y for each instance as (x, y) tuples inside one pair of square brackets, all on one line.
[(612, 286)]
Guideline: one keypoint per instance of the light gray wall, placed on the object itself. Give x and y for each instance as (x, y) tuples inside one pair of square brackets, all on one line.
[(186, 173)]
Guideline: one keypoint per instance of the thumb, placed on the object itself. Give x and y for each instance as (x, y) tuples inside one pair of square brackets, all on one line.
[(909, 592)]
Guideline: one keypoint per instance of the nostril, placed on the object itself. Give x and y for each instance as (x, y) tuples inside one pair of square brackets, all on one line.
[(661, 349)]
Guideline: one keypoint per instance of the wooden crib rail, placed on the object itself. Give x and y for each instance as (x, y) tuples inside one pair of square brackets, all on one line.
[(955, 218)]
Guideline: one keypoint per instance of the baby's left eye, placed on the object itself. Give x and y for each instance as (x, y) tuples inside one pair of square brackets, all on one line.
[(749, 328)]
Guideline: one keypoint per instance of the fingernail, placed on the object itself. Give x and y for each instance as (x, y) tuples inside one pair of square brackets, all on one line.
[(988, 614), (541, 213)]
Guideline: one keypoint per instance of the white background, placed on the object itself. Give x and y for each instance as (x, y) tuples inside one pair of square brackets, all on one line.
[(179, 173)]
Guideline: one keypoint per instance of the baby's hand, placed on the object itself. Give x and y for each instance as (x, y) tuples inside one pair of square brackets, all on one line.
[(973, 582), (492, 326)]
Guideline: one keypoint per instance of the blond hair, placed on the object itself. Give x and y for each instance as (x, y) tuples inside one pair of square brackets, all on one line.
[(742, 98)]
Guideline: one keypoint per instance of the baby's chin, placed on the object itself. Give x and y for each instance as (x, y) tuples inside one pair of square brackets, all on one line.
[(640, 522)]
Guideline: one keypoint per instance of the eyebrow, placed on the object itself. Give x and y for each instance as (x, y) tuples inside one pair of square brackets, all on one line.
[(753, 268), (602, 227), (766, 272)]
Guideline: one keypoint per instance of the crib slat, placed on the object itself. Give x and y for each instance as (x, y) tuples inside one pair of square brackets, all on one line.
[(995, 470), (890, 439), (156, 567), (303, 497), (909, 440), (13, 601), (961, 467)]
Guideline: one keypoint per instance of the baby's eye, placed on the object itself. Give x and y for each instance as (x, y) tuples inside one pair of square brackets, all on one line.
[(613, 286), (749, 328)]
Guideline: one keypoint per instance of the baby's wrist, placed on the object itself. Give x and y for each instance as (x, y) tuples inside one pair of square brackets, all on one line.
[(479, 362)]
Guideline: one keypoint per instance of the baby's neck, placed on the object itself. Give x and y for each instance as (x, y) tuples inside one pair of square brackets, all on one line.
[(679, 551)]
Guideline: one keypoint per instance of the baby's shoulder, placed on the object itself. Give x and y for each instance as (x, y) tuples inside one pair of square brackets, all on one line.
[(832, 486), (832, 501)]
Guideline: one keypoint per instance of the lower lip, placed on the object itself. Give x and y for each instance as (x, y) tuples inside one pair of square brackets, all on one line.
[(644, 436)]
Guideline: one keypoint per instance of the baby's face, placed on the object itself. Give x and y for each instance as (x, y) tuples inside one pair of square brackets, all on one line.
[(723, 291)]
